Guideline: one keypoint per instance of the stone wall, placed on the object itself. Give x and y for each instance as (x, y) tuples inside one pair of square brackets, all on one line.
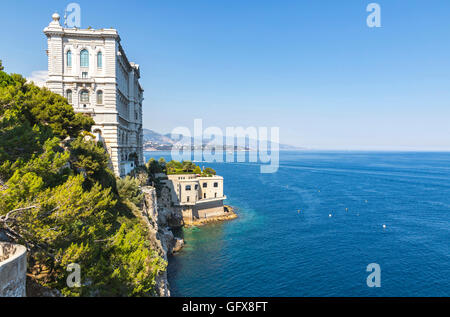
[(203, 210), (209, 209), (13, 270)]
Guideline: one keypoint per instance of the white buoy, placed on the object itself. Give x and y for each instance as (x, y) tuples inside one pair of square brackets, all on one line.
[(384, 226), (330, 215)]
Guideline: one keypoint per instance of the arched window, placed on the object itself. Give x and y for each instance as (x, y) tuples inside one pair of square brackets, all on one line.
[(98, 134), (99, 97), (69, 58), (84, 96), (84, 58), (69, 96), (100, 60)]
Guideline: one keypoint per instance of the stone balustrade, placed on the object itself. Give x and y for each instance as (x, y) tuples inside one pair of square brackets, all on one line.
[(13, 269)]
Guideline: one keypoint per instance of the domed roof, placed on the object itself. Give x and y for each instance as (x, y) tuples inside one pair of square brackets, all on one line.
[(55, 21)]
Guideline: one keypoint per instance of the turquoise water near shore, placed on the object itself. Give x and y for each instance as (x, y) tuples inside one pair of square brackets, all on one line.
[(272, 250)]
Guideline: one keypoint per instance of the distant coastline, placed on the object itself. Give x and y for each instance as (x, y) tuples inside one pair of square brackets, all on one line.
[(154, 141)]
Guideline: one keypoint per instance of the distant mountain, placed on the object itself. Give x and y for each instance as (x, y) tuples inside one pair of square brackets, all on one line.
[(157, 141), (155, 137)]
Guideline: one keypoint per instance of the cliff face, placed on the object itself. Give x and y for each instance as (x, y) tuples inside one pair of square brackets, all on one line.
[(160, 219)]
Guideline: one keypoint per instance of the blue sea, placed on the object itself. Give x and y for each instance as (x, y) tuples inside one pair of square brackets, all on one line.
[(273, 250)]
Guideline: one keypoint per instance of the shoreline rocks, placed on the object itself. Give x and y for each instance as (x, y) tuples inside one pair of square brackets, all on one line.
[(179, 244), (229, 214)]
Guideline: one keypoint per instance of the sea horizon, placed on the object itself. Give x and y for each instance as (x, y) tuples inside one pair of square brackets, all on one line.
[(323, 150)]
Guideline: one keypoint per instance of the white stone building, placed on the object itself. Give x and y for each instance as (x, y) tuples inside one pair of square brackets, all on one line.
[(198, 197), (89, 67)]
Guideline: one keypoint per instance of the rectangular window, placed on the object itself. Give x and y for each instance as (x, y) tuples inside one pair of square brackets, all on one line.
[(187, 198), (99, 60), (84, 97), (84, 75), (205, 185), (188, 187), (216, 185), (100, 97), (204, 195)]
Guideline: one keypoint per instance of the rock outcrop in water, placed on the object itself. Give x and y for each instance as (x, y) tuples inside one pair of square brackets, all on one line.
[(161, 219)]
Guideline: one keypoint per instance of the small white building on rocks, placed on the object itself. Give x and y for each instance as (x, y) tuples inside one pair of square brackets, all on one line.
[(198, 197), (90, 68)]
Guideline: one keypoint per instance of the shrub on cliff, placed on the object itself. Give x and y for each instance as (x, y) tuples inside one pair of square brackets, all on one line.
[(186, 167), (128, 188), (208, 172), (90, 158), (154, 166), (134, 260), (39, 107), (197, 170)]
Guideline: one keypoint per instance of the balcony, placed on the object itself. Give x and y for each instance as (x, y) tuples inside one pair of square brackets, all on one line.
[(85, 108), (84, 80), (207, 200)]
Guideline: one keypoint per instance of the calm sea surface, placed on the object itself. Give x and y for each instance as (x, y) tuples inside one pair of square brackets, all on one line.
[(272, 250)]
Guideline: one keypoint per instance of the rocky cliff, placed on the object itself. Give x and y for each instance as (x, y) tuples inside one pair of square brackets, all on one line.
[(161, 219)]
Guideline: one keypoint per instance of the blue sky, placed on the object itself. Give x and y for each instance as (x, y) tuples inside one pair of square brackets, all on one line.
[(312, 68)]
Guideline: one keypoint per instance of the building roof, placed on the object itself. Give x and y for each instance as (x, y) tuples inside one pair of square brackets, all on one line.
[(171, 176), (55, 28)]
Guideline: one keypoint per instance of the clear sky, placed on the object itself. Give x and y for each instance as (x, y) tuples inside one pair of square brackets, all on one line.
[(312, 68)]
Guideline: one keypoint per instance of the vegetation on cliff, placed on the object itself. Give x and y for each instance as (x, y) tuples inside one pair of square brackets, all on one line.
[(175, 167), (60, 199)]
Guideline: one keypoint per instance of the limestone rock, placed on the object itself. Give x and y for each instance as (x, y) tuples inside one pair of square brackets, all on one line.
[(161, 217), (179, 244)]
